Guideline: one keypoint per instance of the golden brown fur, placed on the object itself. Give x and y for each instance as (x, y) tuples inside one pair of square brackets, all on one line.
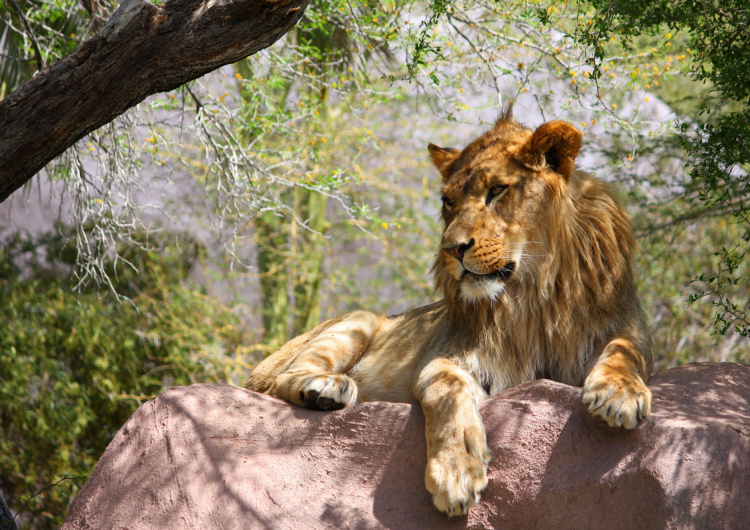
[(535, 268)]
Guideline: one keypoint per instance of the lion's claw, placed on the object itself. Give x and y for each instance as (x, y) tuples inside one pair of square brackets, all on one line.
[(621, 403), (455, 479), (324, 391), (328, 391)]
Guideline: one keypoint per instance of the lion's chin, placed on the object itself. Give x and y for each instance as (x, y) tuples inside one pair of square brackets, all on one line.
[(473, 292), (478, 287)]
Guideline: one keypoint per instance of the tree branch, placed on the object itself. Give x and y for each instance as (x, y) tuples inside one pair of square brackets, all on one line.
[(142, 50), (742, 27)]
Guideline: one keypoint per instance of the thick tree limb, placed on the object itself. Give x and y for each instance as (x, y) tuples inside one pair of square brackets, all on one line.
[(142, 50)]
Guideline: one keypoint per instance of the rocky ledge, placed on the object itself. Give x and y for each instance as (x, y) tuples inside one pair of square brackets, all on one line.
[(210, 456)]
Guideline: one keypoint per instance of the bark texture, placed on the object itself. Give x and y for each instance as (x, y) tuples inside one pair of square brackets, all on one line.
[(6, 517), (142, 50)]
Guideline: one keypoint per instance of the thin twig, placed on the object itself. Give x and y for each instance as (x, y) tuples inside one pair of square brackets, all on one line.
[(49, 486), (37, 50)]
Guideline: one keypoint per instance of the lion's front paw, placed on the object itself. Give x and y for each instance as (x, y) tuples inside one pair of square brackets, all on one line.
[(456, 478), (620, 401), (328, 391), (324, 391)]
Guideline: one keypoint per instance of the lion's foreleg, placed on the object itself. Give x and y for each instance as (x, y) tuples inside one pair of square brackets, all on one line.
[(616, 388), (317, 377), (457, 453)]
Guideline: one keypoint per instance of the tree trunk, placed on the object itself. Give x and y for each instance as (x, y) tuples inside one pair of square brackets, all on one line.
[(273, 267), (142, 50), (6, 517), (309, 249)]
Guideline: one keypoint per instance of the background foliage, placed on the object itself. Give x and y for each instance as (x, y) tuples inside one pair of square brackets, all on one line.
[(206, 226), (75, 366)]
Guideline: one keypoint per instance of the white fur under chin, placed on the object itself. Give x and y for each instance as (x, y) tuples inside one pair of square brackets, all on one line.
[(476, 291)]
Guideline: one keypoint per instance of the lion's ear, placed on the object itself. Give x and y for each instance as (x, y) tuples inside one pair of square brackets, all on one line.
[(443, 158), (554, 144)]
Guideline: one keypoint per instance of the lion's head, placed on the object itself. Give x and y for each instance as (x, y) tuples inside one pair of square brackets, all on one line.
[(516, 215)]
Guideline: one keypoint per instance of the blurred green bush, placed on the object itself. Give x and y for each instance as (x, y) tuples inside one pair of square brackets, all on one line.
[(75, 365)]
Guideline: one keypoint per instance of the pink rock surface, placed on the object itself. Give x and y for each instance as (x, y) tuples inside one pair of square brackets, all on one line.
[(209, 456)]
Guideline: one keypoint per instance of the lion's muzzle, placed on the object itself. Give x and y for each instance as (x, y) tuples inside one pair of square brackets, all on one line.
[(502, 274)]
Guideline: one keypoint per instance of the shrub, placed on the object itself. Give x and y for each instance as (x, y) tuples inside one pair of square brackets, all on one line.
[(75, 365)]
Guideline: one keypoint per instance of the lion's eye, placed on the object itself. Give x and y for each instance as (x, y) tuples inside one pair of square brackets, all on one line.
[(495, 191), (447, 202)]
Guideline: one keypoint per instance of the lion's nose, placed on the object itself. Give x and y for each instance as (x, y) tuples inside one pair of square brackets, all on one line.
[(459, 249)]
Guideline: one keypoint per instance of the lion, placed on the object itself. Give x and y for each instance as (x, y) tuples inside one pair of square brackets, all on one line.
[(535, 268)]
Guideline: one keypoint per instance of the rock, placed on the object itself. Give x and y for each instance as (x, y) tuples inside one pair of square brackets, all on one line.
[(209, 456)]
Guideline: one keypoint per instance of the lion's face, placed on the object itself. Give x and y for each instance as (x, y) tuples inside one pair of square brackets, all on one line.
[(492, 210), (497, 200)]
